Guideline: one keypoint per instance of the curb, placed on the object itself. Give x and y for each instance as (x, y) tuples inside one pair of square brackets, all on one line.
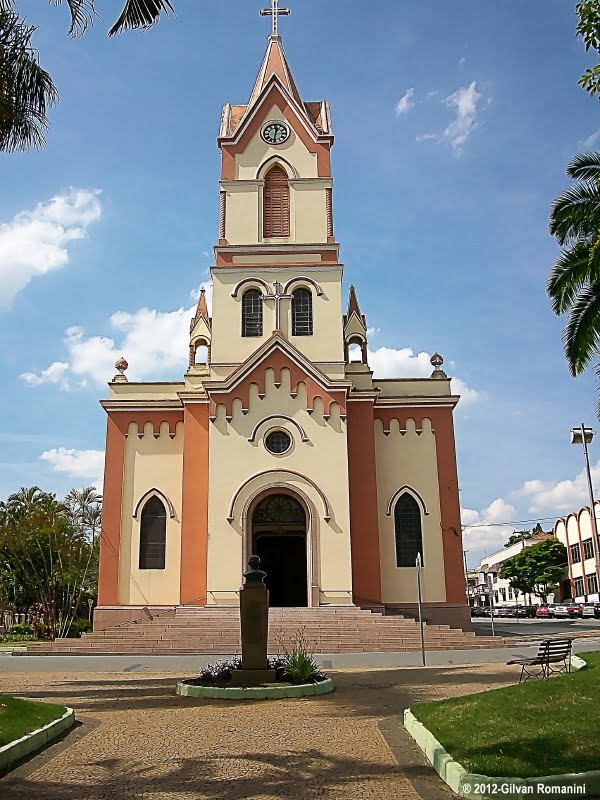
[(254, 692), (15, 751), (480, 787)]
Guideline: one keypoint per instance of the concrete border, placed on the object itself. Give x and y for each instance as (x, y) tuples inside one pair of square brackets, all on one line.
[(478, 787), (32, 742), (274, 692)]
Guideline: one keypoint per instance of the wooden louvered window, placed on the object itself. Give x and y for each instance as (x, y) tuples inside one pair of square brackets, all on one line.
[(409, 534), (153, 535), (276, 204), (302, 313), (252, 313)]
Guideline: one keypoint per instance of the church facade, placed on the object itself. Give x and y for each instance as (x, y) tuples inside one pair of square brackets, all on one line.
[(279, 441)]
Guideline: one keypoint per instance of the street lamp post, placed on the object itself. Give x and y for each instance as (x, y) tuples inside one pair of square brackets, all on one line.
[(584, 436)]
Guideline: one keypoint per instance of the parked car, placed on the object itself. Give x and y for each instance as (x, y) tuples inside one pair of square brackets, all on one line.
[(591, 610), (543, 612), (504, 611), (478, 611), (567, 610), (525, 611)]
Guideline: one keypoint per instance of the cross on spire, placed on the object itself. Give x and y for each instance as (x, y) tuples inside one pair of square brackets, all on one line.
[(275, 12)]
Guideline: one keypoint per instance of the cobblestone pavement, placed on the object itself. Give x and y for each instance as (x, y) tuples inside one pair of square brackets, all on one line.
[(140, 741)]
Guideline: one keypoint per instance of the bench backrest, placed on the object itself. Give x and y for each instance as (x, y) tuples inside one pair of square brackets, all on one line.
[(555, 649)]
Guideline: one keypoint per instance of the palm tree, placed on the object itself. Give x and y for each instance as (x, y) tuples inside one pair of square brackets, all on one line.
[(26, 90), (574, 284)]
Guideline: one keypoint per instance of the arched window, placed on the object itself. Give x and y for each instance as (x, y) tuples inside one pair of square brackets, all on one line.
[(302, 315), (276, 204), (409, 534), (252, 313), (153, 535)]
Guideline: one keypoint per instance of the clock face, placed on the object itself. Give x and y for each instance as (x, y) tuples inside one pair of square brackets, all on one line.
[(275, 133)]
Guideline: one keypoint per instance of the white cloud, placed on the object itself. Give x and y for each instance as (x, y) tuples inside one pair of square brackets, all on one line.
[(484, 531), (387, 362), (462, 60), (84, 465), (153, 342), (560, 497), (406, 103), (35, 242), (55, 373), (464, 101), (591, 140)]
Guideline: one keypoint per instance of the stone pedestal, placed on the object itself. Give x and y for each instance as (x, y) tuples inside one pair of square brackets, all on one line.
[(254, 623)]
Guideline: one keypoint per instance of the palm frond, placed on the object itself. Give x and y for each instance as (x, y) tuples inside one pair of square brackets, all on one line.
[(576, 266), (585, 167), (140, 14), (575, 214), (581, 337), (26, 90), (82, 14)]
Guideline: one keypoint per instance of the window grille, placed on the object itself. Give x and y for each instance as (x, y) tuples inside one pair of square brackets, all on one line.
[(252, 313), (409, 535), (302, 313), (592, 583), (575, 553), (588, 549), (579, 587)]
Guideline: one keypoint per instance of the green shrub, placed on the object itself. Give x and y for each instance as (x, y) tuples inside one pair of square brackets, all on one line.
[(77, 627), (296, 660), (21, 629)]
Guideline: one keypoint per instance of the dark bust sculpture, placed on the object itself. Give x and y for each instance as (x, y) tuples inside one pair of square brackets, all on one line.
[(254, 574)]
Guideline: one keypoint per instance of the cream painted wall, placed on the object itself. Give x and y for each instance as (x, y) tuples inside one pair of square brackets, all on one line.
[(258, 151), (233, 459), (228, 345), (410, 459), (151, 464)]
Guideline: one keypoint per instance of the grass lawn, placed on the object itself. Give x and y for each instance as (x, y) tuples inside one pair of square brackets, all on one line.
[(538, 728), (18, 717)]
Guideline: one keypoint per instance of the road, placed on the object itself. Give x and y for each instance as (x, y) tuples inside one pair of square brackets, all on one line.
[(534, 628)]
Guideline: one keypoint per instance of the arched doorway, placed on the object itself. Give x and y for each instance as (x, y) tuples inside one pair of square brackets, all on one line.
[(279, 538)]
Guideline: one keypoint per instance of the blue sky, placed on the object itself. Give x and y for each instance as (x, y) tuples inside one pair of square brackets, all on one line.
[(454, 123)]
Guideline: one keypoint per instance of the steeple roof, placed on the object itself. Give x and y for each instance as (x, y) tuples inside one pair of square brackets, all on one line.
[(275, 63), (201, 311), (353, 306), (275, 68)]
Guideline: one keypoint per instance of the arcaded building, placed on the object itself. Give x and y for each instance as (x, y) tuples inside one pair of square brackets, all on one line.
[(276, 441)]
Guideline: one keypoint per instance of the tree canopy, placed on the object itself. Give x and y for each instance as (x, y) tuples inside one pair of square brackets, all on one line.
[(588, 29), (49, 553), (537, 569), (27, 91)]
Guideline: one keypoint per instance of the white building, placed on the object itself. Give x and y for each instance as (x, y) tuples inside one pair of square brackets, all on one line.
[(575, 532), (504, 594)]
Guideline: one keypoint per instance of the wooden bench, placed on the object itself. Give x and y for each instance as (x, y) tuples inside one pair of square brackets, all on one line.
[(553, 656)]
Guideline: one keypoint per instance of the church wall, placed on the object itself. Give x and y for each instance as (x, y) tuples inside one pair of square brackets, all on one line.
[(409, 459), (323, 459), (151, 463), (228, 347), (257, 152)]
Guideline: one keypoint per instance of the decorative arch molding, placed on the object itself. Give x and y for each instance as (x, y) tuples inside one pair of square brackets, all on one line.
[(399, 492), (255, 282), (327, 514), (154, 493), (285, 165), (310, 281), (301, 430)]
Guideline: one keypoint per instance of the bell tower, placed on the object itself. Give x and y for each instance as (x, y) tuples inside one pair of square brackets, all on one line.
[(277, 261)]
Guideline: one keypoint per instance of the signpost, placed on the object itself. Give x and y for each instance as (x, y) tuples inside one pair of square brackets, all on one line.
[(491, 596), (419, 565)]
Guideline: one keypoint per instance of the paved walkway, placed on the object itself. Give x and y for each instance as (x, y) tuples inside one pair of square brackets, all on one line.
[(140, 741)]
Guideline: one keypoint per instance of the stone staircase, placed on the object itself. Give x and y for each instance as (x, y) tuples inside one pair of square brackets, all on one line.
[(216, 631)]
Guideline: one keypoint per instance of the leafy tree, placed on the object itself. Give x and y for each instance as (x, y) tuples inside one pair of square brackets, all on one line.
[(574, 283), (518, 536), (588, 29), (47, 552), (537, 569), (26, 90)]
